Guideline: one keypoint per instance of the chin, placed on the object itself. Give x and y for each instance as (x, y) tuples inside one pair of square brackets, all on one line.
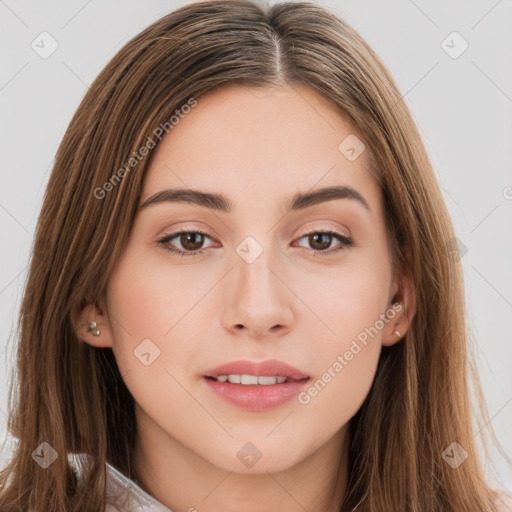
[(250, 458)]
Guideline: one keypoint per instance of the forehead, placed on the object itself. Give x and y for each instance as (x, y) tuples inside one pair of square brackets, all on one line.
[(262, 142)]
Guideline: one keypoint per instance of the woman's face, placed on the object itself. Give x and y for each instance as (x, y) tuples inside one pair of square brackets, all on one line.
[(261, 283)]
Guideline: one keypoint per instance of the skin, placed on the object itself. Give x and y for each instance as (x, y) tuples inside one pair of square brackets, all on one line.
[(258, 147)]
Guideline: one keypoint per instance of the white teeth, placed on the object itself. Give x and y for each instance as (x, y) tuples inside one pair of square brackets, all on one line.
[(248, 380), (266, 381)]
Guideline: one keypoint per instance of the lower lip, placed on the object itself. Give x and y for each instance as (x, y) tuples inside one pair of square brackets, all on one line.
[(257, 397)]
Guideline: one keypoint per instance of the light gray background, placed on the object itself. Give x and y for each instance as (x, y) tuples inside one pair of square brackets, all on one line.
[(462, 106)]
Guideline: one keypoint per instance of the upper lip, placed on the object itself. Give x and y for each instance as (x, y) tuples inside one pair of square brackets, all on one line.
[(269, 367)]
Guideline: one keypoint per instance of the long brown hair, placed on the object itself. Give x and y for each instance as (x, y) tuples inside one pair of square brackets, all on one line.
[(72, 396)]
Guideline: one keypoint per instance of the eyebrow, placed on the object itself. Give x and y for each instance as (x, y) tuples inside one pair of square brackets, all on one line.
[(220, 203)]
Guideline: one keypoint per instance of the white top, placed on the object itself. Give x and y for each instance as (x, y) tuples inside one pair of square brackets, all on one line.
[(121, 491)]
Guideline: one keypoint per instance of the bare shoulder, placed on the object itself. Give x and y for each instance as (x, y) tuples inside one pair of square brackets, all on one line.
[(504, 502)]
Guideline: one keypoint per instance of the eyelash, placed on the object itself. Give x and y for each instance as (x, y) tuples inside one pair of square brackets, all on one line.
[(345, 242)]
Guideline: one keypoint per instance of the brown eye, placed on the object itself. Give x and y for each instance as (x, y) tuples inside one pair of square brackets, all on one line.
[(191, 242), (320, 241)]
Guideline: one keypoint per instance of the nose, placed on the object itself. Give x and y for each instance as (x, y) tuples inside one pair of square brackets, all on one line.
[(260, 301)]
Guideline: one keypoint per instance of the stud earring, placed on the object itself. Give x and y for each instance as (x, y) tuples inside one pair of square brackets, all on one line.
[(397, 333), (93, 327)]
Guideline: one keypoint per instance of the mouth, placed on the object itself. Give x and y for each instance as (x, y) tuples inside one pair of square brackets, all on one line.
[(251, 380), (256, 386)]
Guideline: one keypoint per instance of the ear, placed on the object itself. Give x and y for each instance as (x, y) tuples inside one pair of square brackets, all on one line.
[(402, 307), (94, 313)]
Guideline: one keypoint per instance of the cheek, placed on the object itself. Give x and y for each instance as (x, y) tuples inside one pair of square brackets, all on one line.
[(338, 393), (150, 305), (345, 364), (347, 342), (151, 299), (345, 301), (151, 309)]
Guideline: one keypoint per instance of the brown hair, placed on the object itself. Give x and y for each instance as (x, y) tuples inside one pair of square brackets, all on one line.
[(72, 396)]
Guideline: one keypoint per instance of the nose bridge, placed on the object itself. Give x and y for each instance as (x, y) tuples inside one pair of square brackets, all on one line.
[(260, 300), (254, 267)]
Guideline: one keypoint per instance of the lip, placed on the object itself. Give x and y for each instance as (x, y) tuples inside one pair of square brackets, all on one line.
[(257, 397)]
